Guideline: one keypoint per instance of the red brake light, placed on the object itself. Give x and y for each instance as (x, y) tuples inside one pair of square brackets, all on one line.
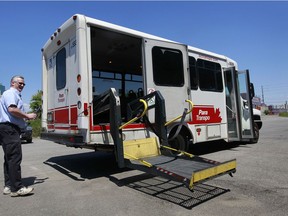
[(85, 109)]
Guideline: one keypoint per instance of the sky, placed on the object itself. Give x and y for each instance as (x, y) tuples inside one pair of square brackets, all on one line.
[(255, 34)]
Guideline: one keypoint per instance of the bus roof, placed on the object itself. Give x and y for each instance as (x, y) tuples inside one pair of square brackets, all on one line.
[(84, 20)]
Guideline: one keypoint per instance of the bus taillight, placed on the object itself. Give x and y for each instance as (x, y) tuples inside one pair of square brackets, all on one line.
[(86, 109)]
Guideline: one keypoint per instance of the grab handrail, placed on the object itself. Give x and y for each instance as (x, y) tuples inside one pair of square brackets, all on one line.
[(137, 117), (178, 117), (179, 151)]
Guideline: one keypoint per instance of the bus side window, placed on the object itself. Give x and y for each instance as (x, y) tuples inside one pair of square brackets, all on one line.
[(167, 67), (210, 76), (193, 73)]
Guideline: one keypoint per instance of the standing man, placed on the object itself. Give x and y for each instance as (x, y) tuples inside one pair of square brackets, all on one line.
[(12, 119)]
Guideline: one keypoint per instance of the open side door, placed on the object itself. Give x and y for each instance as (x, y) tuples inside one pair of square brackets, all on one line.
[(245, 105), (166, 66), (238, 105), (231, 104)]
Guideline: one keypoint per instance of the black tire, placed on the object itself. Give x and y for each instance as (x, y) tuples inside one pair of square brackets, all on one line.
[(29, 140), (179, 143)]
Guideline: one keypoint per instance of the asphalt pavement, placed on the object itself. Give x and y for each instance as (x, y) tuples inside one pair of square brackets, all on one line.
[(71, 181)]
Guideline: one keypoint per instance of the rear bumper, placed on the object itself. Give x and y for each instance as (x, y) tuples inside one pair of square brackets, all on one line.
[(65, 139)]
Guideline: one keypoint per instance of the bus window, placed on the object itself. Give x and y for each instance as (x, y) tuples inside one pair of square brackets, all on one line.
[(210, 76), (105, 80), (61, 69), (167, 67), (193, 73), (134, 85)]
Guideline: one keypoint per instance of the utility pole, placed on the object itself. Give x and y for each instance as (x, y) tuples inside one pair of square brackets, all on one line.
[(262, 94)]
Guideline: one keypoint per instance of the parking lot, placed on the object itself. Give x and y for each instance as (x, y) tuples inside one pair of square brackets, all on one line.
[(70, 181)]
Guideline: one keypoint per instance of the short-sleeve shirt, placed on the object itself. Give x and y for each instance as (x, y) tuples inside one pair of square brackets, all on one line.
[(11, 97)]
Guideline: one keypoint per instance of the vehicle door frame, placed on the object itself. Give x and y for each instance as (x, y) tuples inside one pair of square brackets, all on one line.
[(61, 99), (174, 96), (241, 123)]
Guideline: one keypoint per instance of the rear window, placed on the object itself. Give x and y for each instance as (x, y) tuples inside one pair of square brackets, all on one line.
[(61, 69)]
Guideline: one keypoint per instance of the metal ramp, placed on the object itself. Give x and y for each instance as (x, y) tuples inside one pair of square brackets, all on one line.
[(187, 169), (146, 154)]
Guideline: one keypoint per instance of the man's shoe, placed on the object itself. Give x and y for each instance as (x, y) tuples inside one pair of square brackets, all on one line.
[(22, 192), (6, 190)]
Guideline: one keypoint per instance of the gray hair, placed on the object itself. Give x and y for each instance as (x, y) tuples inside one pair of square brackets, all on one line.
[(14, 78)]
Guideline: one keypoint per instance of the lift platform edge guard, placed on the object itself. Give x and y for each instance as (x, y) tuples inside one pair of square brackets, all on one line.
[(146, 154)]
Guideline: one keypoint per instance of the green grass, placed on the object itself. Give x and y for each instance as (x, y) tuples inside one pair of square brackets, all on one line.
[(283, 114)]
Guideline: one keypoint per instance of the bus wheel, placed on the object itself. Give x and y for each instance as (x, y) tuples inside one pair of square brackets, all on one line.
[(179, 143)]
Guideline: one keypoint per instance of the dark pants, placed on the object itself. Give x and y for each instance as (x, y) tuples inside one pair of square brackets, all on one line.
[(11, 144)]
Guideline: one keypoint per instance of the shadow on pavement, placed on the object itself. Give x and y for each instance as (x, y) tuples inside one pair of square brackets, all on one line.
[(29, 181), (214, 146), (171, 191), (83, 166), (98, 164)]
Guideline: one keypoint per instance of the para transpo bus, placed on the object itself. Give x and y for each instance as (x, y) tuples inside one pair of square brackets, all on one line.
[(85, 57), (107, 87)]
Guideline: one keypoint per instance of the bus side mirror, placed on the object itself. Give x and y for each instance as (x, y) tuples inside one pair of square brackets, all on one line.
[(252, 92)]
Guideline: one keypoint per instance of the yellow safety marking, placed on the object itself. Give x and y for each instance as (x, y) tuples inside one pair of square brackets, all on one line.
[(141, 148), (182, 152), (213, 171), (137, 117), (141, 160), (180, 116)]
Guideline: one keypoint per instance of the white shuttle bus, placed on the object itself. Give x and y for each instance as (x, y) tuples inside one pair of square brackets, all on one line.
[(103, 81)]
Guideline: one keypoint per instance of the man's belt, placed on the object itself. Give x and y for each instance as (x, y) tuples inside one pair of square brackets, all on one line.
[(12, 125)]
